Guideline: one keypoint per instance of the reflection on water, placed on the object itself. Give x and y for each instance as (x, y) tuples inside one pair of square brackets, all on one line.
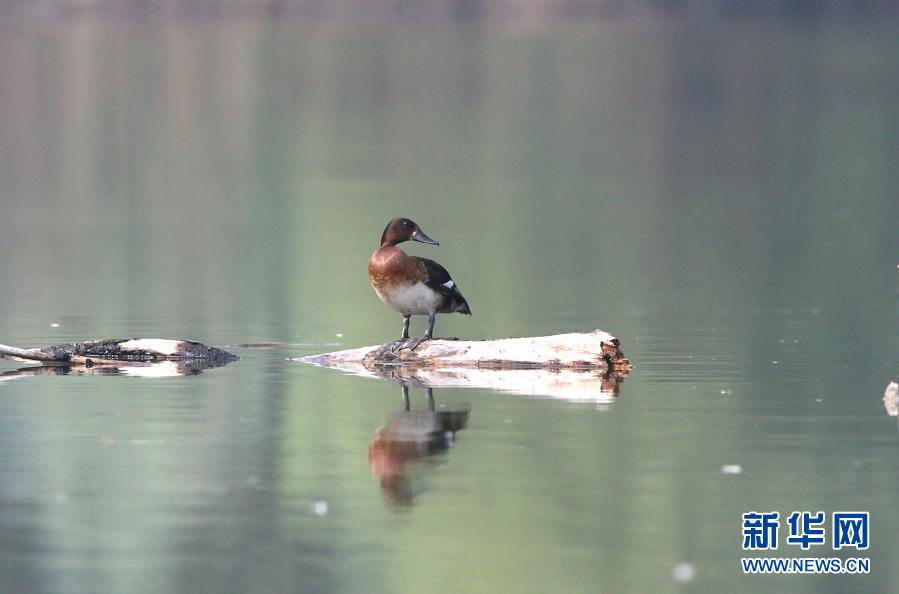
[(589, 386), (158, 369), (721, 198), (402, 449)]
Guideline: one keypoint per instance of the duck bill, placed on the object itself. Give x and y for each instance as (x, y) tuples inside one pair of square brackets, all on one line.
[(420, 236)]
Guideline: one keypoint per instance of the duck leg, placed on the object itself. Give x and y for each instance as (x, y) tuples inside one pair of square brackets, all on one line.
[(405, 327), (414, 343), (398, 344), (394, 346), (432, 319)]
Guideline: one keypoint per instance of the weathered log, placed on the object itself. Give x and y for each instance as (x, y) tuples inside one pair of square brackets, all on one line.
[(18, 354), (581, 367), (119, 350), (595, 350)]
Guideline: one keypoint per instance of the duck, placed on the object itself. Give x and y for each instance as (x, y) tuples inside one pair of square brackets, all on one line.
[(412, 285)]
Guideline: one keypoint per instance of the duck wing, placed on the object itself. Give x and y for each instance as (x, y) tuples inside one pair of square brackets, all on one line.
[(438, 278)]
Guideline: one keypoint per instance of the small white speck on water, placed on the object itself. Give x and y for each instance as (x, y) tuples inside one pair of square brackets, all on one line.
[(54, 325), (320, 508), (775, 362), (727, 392), (683, 573), (339, 335), (732, 469), (146, 442), (817, 400)]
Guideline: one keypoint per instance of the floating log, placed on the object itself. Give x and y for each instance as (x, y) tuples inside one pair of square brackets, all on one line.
[(579, 367), (121, 350), (595, 350)]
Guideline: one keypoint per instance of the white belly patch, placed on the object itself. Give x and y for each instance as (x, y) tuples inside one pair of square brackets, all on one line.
[(415, 299)]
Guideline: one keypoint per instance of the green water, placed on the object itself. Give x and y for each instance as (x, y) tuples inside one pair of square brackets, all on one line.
[(723, 200)]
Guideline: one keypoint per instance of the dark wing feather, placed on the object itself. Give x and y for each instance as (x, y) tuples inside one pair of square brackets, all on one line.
[(437, 276), (437, 279)]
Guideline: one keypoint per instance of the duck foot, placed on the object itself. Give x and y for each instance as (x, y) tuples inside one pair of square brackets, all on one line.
[(389, 348), (414, 343), (393, 347)]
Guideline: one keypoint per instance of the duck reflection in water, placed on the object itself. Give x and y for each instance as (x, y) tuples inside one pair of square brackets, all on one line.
[(407, 443)]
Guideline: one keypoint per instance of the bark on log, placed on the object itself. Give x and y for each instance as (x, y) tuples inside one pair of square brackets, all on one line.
[(579, 367), (119, 350)]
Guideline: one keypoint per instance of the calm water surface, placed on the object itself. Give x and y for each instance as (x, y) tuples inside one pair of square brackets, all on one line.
[(722, 200)]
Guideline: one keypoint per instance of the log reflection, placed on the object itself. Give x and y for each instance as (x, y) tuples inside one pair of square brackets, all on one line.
[(130, 368), (591, 386)]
